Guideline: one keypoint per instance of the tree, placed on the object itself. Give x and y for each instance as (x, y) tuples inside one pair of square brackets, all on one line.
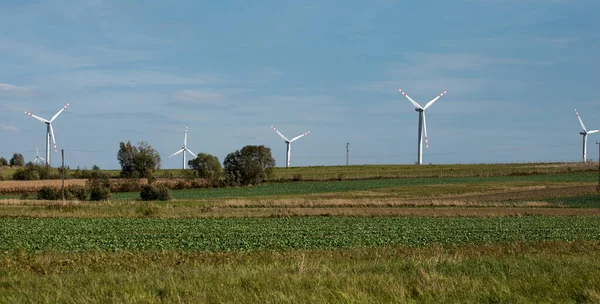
[(140, 161), (249, 166), (17, 160), (3, 162), (207, 167)]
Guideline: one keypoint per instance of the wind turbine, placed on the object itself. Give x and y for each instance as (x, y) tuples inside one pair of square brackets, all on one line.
[(49, 131), (585, 134), (422, 122), (184, 149), (38, 159), (289, 144)]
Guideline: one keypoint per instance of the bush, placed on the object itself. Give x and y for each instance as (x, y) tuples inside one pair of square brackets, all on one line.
[(78, 192), (155, 193), (100, 193), (49, 193), (32, 171), (127, 185)]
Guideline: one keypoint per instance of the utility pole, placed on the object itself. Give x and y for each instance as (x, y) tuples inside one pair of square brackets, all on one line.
[(62, 188), (598, 188), (347, 152)]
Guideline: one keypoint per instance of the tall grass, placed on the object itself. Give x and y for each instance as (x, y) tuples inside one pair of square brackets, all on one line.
[(546, 272)]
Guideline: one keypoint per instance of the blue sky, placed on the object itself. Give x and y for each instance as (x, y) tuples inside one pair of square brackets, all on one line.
[(144, 70)]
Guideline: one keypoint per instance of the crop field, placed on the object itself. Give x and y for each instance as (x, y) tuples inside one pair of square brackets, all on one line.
[(291, 233), (492, 236)]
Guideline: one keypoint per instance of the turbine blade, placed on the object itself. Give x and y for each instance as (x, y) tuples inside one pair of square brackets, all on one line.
[(434, 100), (53, 139), (185, 137), (194, 155), (425, 130), (418, 106), (176, 152), (593, 131), (61, 110), (36, 117), (284, 138), (580, 121), (37, 152), (301, 135)]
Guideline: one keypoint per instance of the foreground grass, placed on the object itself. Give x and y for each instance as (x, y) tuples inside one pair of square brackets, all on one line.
[(292, 233), (541, 272)]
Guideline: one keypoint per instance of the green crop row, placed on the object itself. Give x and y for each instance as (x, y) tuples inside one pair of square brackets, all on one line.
[(233, 234)]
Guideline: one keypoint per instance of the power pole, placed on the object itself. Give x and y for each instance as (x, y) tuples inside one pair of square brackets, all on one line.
[(347, 152), (598, 188), (62, 188)]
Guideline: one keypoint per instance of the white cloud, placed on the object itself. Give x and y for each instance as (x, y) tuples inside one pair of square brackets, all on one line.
[(9, 128), (5, 87)]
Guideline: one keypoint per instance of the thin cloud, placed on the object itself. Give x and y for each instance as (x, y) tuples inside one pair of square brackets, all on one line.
[(5, 87), (9, 128)]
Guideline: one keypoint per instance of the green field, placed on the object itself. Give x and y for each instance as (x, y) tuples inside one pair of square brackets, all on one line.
[(505, 234), (293, 233)]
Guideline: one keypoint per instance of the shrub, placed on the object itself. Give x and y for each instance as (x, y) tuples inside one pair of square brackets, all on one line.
[(78, 192), (297, 177), (49, 193), (32, 171), (147, 209), (155, 193), (127, 185), (100, 193)]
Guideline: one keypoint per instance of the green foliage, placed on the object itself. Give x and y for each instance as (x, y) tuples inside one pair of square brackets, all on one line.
[(49, 193), (155, 193), (248, 166), (100, 193), (33, 171), (17, 160), (138, 161), (295, 233), (78, 192), (207, 166), (97, 178), (553, 272), (3, 162)]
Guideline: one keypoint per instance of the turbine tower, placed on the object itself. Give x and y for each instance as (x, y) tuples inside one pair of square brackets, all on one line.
[(289, 144), (585, 134), (422, 123), (184, 149), (49, 131), (38, 159)]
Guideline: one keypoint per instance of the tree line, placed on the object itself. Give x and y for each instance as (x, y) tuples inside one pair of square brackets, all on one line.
[(250, 165)]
